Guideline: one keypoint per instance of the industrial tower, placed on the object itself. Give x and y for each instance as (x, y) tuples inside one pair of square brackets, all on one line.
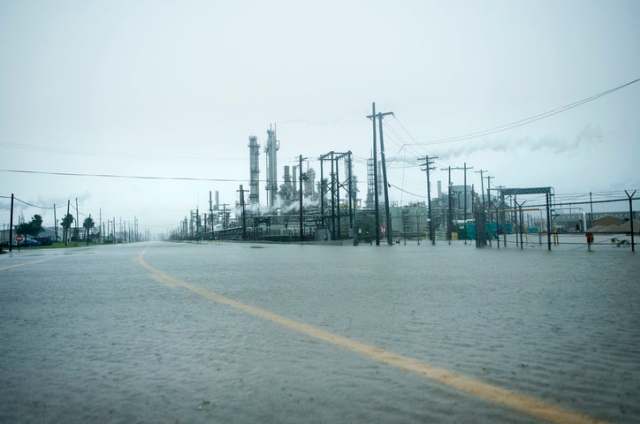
[(271, 149), (309, 183), (254, 157)]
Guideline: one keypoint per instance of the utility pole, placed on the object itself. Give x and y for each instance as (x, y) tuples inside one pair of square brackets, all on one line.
[(301, 217), (520, 227), (11, 225), (322, 192), (244, 221), (590, 210), (449, 221), (337, 182), (465, 201), (464, 216), (481, 172), (489, 178), (428, 161), (351, 199), (77, 220), (497, 208), (55, 222), (473, 205), (375, 173), (484, 205), (66, 230), (630, 196), (381, 115), (212, 222)]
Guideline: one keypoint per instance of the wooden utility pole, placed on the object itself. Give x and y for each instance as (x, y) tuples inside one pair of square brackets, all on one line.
[(630, 196), (66, 230), (521, 223), (11, 225), (489, 178), (481, 172), (428, 161), (375, 173), (449, 220), (322, 192), (55, 222), (497, 209), (381, 115), (351, 197), (77, 220), (590, 210)]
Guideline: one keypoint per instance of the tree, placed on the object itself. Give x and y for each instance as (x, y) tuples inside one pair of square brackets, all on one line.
[(32, 228), (88, 224), (66, 224)]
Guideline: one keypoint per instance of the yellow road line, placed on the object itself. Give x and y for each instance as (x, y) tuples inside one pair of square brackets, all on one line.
[(525, 404), (25, 263)]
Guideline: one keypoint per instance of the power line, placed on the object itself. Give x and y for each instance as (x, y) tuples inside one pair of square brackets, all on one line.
[(208, 156), (523, 121), (31, 204), (138, 177), (407, 192)]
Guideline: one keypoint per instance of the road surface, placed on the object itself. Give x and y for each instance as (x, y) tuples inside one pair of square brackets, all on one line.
[(235, 332)]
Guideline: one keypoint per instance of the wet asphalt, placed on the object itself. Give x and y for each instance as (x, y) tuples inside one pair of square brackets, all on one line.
[(89, 335)]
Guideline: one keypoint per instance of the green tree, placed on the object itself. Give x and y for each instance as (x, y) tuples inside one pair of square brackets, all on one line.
[(88, 224), (66, 224), (24, 228), (32, 228)]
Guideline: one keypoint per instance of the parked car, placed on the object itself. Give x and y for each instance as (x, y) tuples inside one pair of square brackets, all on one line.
[(44, 241), (29, 243)]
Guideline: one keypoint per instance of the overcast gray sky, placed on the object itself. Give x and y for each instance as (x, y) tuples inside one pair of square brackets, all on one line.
[(176, 88)]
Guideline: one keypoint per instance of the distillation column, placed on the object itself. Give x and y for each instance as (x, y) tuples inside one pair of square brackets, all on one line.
[(254, 160), (271, 150)]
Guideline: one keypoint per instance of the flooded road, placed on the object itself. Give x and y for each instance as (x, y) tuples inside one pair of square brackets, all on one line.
[(103, 334)]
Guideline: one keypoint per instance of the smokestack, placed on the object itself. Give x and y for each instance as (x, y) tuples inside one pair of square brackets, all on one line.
[(294, 170), (287, 176), (217, 200), (439, 189), (310, 182), (254, 170)]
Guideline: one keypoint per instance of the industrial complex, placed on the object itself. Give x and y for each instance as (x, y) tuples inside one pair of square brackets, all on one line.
[(324, 204)]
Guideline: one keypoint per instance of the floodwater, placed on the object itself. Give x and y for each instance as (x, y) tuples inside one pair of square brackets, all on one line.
[(89, 335)]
